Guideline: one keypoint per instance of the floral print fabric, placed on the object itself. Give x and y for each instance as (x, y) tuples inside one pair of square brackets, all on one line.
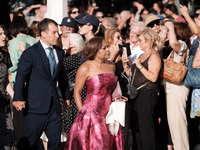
[(89, 131)]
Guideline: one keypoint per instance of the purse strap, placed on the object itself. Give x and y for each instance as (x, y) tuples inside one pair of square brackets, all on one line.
[(133, 77), (183, 57), (141, 86)]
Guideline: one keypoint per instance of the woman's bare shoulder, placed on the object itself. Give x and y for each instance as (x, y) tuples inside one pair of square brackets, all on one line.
[(155, 55), (84, 68), (155, 58)]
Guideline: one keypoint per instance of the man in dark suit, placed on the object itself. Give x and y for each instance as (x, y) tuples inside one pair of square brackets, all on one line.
[(40, 69)]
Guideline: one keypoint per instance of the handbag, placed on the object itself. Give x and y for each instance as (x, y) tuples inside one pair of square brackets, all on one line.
[(192, 77), (172, 71), (132, 90)]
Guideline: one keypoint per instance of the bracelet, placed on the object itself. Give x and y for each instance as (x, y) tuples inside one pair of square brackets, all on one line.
[(141, 67)]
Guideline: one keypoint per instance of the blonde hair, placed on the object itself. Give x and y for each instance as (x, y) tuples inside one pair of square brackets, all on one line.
[(155, 41), (109, 35)]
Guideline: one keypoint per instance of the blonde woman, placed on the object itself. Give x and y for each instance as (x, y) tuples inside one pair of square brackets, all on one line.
[(145, 72), (114, 39)]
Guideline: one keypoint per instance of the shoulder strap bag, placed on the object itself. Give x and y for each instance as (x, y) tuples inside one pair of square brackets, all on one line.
[(172, 71)]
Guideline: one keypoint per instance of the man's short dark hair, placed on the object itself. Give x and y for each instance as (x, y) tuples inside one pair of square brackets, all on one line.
[(18, 25), (172, 8), (44, 24), (139, 1)]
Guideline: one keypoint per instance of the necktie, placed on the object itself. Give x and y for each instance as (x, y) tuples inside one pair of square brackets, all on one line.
[(52, 61)]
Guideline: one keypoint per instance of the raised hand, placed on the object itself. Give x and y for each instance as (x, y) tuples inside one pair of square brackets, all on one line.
[(183, 10)]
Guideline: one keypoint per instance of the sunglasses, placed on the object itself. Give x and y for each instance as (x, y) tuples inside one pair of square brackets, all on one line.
[(99, 17), (74, 12), (151, 25), (118, 37)]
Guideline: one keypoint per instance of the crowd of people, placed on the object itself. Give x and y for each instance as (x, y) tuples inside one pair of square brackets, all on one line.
[(57, 79)]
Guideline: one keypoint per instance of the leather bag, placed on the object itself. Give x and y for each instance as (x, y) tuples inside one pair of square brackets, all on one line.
[(193, 75), (132, 91), (172, 71)]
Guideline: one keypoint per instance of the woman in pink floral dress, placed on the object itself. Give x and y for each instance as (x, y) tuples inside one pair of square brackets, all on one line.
[(89, 131)]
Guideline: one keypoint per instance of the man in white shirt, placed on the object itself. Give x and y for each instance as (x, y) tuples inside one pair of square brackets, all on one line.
[(136, 51)]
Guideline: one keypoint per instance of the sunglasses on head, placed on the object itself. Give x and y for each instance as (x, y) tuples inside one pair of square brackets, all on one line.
[(151, 24), (74, 12)]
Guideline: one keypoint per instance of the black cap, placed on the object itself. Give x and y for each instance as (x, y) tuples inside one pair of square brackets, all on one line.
[(69, 22), (89, 19)]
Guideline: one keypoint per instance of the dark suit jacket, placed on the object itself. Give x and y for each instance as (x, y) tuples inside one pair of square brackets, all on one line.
[(34, 83)]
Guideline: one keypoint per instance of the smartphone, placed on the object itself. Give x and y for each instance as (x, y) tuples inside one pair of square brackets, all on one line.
[(125, 47), (125, 51)]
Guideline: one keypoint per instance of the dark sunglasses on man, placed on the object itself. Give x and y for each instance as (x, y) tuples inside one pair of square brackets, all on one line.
[(74, 12), (151, 24)]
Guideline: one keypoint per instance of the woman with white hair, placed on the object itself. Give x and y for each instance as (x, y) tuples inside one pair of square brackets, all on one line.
[(71, 64), (75, 43)]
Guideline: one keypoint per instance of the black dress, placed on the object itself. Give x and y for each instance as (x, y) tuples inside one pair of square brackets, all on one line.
[(143, 112), (7, 141), (71, 65)]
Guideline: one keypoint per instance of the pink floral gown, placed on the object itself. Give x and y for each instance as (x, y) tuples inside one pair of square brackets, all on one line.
[(89, 131)]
